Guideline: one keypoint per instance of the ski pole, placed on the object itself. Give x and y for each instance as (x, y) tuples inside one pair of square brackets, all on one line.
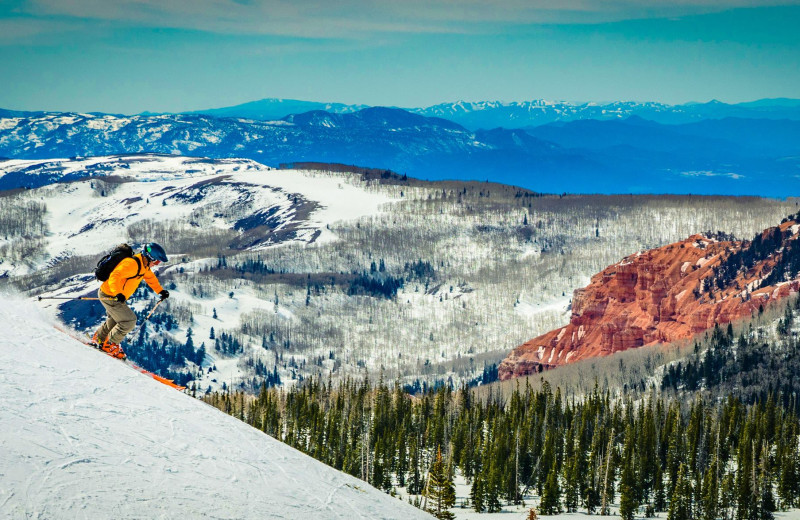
[(147, 318), (74, 298)]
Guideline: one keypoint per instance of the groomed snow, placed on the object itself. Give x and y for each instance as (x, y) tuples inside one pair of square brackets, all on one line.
[(85, 436)]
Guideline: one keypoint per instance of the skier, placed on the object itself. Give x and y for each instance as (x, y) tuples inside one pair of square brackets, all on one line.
[(121, 284)]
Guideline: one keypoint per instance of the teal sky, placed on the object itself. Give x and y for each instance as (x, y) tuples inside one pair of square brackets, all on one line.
[(127, 56)]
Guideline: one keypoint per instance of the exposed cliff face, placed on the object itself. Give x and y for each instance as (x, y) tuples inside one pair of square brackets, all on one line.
[(667, 294)]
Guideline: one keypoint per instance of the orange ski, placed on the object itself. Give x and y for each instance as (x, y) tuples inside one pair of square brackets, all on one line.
[(164, 380), (88, 342)]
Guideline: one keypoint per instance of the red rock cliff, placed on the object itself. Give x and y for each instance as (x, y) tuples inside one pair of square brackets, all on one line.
[(659, 296)]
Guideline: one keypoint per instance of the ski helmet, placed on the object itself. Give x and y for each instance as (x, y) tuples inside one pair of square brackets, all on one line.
[(153, 251)]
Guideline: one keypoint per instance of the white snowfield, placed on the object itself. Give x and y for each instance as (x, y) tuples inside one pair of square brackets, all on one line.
[(84, 219), (85, 436)]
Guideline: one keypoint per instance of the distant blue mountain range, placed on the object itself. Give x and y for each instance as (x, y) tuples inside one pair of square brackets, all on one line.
[(274, 109), (522, 114), (732, 155)]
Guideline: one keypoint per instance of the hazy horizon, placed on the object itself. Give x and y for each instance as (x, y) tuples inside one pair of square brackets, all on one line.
[(147, 55), (446, 102)]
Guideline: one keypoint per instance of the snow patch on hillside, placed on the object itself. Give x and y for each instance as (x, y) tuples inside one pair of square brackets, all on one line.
[(86, 436), (87, 217)]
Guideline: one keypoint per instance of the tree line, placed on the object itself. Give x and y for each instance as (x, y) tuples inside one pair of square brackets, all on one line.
[(696, 460), (773, 242), (753, 364)]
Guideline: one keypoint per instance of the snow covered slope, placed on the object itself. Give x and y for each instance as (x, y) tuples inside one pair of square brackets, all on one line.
[(257, 205), (16, 173), (85, 436)]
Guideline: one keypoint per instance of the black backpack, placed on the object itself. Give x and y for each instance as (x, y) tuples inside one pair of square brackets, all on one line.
[(112, 259)]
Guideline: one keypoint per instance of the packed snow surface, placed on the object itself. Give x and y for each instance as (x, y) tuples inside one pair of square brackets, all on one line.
[(83, 435)]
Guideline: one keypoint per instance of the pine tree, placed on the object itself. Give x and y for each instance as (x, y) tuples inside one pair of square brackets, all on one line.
[(746, 496), (627, 499), (492, 488), (189, 345), (727, 500), (709, 501), (551, 503), (608, 477), (676, 450), (766, 500), (572, 487), (572, 480), (647, 457), (415, 481), (789, 464), (680, 504), (440, 491), (659, 492), (591, 499), (627, 486), (476, 495)]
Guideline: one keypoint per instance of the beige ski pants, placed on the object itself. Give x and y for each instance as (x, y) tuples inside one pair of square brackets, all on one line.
[(121, 319)]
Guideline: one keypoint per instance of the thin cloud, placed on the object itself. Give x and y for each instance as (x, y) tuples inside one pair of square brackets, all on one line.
[(22, 31), (355, 19), (268, 17)]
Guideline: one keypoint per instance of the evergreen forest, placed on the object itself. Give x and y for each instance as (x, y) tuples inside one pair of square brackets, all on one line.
[(715, 436), (696, 460)]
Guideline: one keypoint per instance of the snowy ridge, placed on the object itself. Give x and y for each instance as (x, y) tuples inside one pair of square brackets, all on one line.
[(516, 114), (84, 436), (264, 206), (519, 114), (142, 167)]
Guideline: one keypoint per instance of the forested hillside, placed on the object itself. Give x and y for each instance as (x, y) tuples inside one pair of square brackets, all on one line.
[(730, 451), (751, 361), (483, 269), (668, 294), (278, 275)]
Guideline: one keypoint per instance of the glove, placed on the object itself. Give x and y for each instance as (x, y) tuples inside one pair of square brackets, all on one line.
[(164, 294), (120, 298)]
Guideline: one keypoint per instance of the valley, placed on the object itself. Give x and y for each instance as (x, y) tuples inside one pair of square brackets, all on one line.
[(287, 274)]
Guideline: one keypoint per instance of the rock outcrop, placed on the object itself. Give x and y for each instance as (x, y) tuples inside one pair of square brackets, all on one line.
[(666, 294)]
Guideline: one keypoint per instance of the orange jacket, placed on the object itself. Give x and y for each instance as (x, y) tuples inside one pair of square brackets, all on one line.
[(123, 278)]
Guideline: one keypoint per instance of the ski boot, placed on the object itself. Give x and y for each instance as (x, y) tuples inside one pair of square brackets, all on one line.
[(113, 349)]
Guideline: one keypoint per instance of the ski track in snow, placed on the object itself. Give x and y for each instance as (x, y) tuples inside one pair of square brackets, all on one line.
[(85, 436)]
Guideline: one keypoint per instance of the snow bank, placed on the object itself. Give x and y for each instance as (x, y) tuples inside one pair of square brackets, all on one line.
[(85, 436)]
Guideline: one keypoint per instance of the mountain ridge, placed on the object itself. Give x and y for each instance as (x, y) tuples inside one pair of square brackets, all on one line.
[(491, 114), (272, 109), (727, 157), (488, 114), (667, 294)]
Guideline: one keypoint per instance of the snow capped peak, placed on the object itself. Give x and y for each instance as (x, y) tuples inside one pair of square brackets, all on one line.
[(86, 436)]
